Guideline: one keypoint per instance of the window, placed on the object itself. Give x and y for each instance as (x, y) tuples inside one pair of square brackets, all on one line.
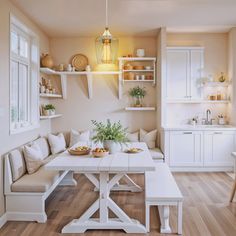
[(24, 70)]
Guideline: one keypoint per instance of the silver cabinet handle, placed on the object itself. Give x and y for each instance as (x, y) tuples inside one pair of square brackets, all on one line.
[(218, 133), (187, 132)]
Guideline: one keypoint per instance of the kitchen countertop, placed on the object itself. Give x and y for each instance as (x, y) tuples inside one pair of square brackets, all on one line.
[(199, 127)]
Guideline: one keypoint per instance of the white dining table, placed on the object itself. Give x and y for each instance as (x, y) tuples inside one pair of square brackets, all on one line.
[(105, 173)]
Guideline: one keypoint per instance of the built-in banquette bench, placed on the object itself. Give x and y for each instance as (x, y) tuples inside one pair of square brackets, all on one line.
[(26, 193)]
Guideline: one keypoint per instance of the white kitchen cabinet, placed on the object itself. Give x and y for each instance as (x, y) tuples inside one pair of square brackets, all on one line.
[(218, 146), (185, 148), (199, 149), (184, 72)]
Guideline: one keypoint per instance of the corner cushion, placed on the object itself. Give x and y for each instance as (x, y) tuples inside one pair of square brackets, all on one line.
[(40, 181), (156, 154)]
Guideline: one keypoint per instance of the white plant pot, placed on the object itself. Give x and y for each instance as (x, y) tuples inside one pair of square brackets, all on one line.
[(52, 112), (112, 146)]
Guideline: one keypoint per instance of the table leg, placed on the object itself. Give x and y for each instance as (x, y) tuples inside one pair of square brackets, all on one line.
[(104, 204), (129, 185), (68, 180)]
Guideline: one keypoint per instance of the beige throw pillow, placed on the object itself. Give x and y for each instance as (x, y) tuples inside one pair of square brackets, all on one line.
[(33, 157), (133, 137), (148, 137), (17, 162), (76, 136), (57, 143)]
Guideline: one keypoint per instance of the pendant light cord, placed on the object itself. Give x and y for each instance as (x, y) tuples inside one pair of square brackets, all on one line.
[(106, 13)]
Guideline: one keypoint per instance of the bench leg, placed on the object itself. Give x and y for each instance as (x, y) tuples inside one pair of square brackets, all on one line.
[(180, 217), (164, 212), (147, 216)]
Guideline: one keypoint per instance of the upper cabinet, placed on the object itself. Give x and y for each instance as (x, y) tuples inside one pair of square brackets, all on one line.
[(184, 72)]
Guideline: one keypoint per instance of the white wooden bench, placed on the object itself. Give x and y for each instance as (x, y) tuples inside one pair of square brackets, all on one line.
[(161, 190)]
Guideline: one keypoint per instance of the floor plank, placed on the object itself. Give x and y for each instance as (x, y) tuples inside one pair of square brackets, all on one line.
[(207, 211)]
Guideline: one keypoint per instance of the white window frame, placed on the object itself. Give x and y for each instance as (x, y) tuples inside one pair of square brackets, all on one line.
[(33, 121)]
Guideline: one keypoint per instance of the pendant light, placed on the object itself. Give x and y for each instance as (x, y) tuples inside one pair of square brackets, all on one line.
[(106, 45)]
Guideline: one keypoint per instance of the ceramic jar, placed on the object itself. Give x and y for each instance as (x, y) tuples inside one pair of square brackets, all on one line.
[(140, 52), (46, 61)]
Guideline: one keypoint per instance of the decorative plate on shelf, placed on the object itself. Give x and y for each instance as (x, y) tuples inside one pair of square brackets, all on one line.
[(79, 61)]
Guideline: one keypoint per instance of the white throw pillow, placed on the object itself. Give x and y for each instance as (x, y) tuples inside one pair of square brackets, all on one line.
[(133, 137), (76, 136), (148, 137), (57, 143), (33, 157)]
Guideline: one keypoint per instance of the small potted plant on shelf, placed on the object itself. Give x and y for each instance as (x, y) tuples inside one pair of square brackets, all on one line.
[(138, 94), (111, 135), (49, 110)]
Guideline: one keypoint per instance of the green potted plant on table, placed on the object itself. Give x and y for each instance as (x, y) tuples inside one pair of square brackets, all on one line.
[(138, 94), (49, 110), (111, 135)]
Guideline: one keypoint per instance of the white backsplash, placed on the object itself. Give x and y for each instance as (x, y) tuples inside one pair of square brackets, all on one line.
[(181, 114)]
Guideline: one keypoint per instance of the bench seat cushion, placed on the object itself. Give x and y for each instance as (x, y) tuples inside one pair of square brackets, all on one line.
[(160, 185), (156, 154), (40, 181)]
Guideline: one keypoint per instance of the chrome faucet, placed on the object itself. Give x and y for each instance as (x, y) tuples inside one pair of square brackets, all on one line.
[(208, 120)]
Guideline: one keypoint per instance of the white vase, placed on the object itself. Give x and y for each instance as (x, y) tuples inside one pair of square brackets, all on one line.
[(112, 146)]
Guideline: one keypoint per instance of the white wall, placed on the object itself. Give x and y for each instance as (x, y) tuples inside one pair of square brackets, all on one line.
[(78, 110), (215, 62), (7, 142)]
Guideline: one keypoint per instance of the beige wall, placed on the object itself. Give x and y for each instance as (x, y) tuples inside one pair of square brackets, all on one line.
[(78, 110), (7, 141), (232, 73), (216, 49), (215, 61)]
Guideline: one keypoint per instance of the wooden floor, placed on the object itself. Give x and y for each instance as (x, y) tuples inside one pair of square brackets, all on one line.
[(206, 208)]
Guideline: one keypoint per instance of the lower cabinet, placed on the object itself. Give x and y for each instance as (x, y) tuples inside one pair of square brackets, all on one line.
[(186, 148), (218, 148), (209, 149)]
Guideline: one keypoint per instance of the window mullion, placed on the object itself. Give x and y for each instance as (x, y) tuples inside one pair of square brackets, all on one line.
[(18, 104)]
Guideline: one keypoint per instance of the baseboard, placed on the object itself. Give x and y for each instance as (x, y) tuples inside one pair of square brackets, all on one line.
[(27, 216), (201, 169), (3, 220)]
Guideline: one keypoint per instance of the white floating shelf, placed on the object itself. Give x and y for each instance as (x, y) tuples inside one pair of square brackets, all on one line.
[(89, 75), (140, 108), (48, 95), (216, 101), (50, 117), (137, 58), (216, 84), (133, 80), (138, 70), (198, 101), (50, 71), (47, 70)]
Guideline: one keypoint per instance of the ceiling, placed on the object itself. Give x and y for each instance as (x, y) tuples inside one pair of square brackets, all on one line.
[(71, 18)]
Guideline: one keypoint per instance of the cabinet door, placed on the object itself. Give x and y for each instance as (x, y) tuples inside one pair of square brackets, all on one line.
[(196, 66), (218, 148), (186, 148), (177, 74)]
